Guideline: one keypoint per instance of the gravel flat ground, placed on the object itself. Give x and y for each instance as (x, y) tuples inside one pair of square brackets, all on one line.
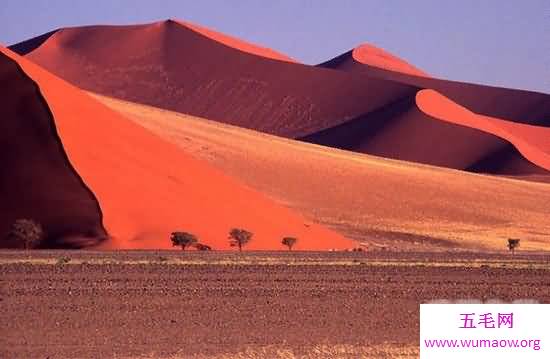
[(80, 304)]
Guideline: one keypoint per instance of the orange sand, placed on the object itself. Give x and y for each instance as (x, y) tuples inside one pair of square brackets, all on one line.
[(147, 187), (373, 56)]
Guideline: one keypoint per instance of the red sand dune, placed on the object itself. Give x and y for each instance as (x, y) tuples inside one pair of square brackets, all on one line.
[(376, 57), (237, 43), (410, 132), (401, 131), (532, 141), (515, 105), (147, 188), (169, 65), (363, 100)]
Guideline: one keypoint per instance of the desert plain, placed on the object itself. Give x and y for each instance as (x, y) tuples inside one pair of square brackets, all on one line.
[(166, 304)]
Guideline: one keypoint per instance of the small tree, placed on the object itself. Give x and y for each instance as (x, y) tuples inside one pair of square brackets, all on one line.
[(289, 242), (513, 244), (239, 237), (28, 232), (183, 239)]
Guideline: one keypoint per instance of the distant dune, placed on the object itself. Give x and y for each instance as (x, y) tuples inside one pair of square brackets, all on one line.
[(375, 57), (364, 100), (145, 187), (174, 66), (381, 202), (514, 105)]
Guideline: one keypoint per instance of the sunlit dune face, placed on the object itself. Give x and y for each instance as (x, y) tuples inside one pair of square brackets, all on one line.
[(532, 141), (373, 56), (147, 187)]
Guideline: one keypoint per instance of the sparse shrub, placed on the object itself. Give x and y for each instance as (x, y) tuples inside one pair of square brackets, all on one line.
[(162, 259), (202, 247), (239, 237), (183, 239), (289, 242), (513, 244), (63, 260), (27, 232)]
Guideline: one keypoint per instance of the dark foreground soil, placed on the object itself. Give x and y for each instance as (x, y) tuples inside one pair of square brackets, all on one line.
[(159, 304)]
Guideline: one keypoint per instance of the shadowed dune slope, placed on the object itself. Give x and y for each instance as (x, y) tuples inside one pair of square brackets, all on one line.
[(147, 187), (36, 180), (187, 69), (24, 47), (378, 201)]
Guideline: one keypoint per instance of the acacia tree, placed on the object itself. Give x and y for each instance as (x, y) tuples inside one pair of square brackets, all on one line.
[(513, 244), (239, 237), (289, 242), (28, 232), (183, 239)]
